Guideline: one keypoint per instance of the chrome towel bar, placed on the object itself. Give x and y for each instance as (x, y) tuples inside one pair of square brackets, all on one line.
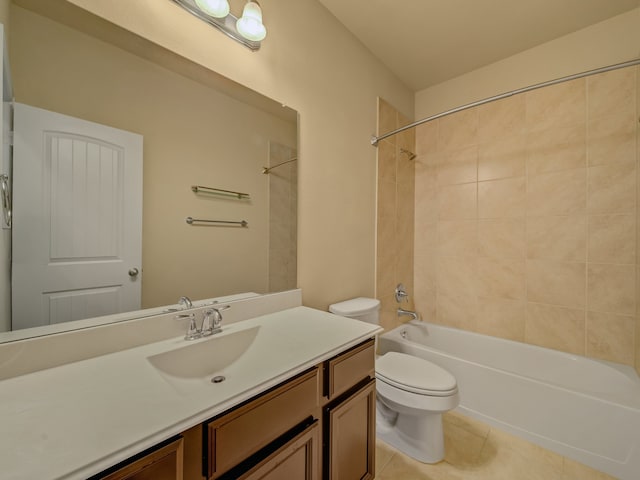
[(219, 191), (191, 221)]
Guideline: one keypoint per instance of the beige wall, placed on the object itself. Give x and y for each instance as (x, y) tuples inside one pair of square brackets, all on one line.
[(394, 246), (637, 337), (308, 61), (526, 217), (611, 41), (187, 141)]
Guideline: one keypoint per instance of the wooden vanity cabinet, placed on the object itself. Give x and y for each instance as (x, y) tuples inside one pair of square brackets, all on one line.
[(317, 425)]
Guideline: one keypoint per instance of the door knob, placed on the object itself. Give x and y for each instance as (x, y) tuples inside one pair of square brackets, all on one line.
[(134, 272)]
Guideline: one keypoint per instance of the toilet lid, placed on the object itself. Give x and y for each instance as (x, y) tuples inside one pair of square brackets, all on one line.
[(414, 374)]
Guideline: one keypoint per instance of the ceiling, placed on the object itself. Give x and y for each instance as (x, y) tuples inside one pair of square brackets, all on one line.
[(425, 42)]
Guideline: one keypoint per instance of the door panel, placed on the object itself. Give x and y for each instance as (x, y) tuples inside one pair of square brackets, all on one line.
[(78, 218)]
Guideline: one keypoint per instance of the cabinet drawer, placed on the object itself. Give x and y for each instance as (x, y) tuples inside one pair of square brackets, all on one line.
[(351, 367), (164, 463), (239, 434), (298, 459)]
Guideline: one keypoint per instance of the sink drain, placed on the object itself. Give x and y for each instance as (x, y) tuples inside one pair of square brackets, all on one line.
[(218, 379)]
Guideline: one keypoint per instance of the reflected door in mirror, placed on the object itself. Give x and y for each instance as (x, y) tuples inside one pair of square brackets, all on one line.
[(78, 200)]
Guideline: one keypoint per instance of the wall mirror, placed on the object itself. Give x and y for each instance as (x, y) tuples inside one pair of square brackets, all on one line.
[(196, 129)]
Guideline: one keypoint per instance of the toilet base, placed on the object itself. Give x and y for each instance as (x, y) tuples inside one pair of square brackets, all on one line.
[(419, 436)]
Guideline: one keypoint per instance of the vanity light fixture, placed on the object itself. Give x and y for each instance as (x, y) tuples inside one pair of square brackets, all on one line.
[(214, 8), (250, 24), (247, 30)]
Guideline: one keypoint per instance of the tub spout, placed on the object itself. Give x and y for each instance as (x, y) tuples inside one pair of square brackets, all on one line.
[(410, 313)]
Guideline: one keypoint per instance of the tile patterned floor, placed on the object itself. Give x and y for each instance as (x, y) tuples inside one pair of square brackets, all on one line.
[(475, 451)]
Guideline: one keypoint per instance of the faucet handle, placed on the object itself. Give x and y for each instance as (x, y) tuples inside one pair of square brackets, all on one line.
[(401, 293), (207, 323), (217, 319), (192, 330)]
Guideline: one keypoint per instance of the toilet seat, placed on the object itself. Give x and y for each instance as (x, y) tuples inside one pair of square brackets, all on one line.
[(415, 375)]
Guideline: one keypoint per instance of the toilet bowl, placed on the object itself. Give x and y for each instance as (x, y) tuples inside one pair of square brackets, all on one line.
[(412, 393)]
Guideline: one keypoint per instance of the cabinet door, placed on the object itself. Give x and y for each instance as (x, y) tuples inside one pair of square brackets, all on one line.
[(298, 459), (352, 436), (162, 464)]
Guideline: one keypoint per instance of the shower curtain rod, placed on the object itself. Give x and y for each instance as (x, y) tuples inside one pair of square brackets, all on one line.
[(375, 140)]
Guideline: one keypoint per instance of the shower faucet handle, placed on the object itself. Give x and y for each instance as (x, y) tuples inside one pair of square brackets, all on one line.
[(401, 294)]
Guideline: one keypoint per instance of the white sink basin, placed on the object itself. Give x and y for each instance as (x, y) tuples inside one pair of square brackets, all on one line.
[(203, 359)]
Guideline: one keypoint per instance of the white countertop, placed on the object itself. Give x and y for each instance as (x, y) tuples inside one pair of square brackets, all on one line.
[(76, 420)]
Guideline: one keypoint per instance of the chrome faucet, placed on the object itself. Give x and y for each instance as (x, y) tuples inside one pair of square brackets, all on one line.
[(410, 313), (186, 302), (211, 322)]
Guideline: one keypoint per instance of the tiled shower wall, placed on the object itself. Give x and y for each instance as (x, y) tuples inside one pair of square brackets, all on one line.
[(283, 218), (526, 217), (395, 214)]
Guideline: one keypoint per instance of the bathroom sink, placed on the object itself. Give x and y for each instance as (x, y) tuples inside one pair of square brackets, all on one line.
[(204, 359)]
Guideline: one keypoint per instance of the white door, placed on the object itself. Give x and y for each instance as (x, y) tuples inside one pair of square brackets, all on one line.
[(77, 228)]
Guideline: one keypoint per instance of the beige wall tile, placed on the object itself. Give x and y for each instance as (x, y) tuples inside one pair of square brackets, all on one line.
[(612, 288), (556, 283), (501, 278), (458, 238), (612, 138), (458, 130), (502, 198), (555, 327), (386, 162), (458, 166), (503, 238), (456, 310), (610, 337), (425, 303), (424, 274), (426, 171), (611, 92), (558, 193), (556, 106), (427, 137), (425, 239), (502, 158), (385, 258), (556, 149), (612, 188), (387, 203), (406, 139), (501, 118), (557, 238), (387, 119), (457, 202), (612, 238), (405, 168), (404, 271), (426, 206), (457, 275), (501, 318)]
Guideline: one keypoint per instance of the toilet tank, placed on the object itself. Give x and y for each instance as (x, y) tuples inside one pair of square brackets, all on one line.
[(361, 308)]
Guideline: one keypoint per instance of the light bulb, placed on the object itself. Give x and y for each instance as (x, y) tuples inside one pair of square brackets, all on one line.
[(250, 24), (214, 8)]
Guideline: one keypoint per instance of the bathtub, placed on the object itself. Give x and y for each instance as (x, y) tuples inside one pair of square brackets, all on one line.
[(584, 409)]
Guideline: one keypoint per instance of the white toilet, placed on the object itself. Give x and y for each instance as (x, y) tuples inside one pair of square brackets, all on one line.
[(412, 393)]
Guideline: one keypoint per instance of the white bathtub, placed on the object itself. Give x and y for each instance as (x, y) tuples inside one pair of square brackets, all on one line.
[(581, 408)]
